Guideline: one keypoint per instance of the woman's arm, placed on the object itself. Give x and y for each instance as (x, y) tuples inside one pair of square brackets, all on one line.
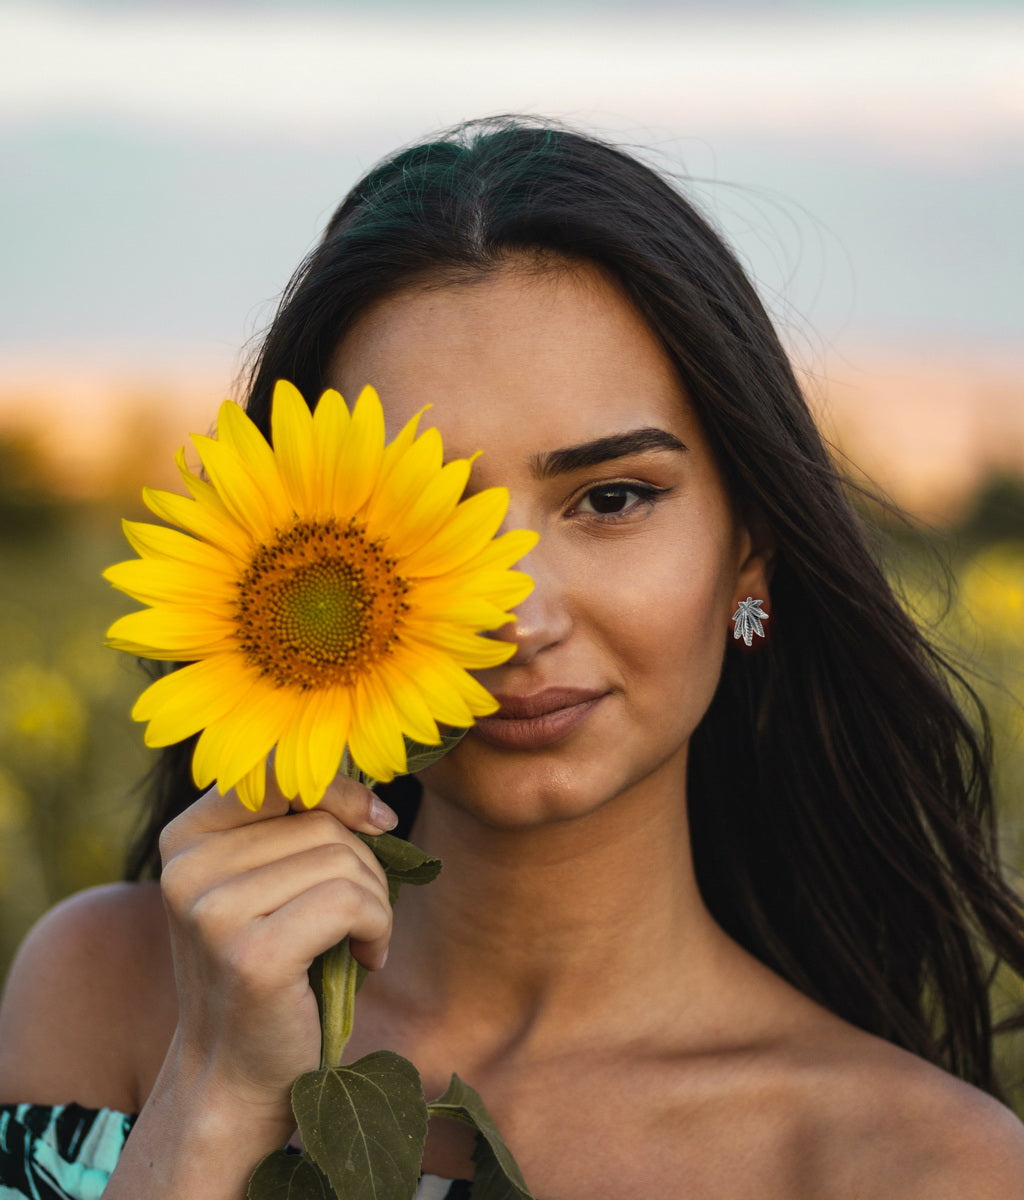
[(250, 900)]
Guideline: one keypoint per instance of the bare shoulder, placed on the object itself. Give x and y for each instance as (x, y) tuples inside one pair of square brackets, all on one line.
[(895, 1126), (953, 1138), (985, 1146), (82, 996)]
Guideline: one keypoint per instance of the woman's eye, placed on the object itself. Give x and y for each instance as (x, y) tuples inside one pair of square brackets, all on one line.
[(611, 499)]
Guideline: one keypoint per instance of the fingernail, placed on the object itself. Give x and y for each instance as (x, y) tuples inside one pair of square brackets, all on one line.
[(381, 816), (384, 957)]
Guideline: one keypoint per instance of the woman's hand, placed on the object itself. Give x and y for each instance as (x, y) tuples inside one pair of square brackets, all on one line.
[(251, 899)]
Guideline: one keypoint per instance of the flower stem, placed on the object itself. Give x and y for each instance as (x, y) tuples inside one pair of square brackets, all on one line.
[(337, 996), (334, 975)]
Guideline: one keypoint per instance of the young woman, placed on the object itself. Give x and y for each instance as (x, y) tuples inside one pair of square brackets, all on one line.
[(714, 922)]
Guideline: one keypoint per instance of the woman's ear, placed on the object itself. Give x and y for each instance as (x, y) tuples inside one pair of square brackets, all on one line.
[(756, 558)]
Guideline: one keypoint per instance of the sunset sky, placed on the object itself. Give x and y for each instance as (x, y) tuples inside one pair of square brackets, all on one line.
[(166, 165)]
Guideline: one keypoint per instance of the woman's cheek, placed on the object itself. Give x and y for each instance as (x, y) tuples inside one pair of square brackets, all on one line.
[(677, 635)]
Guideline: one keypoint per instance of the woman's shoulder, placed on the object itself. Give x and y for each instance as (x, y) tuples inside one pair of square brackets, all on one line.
[(89, 979), (883, 1122), (129, 910), (841, 1113)]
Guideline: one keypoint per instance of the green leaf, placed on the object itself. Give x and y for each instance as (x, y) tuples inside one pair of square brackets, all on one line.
[(402, 862), (498, 1176), (489, 1180), (282, 1176), (420, 756), (364, 1125)]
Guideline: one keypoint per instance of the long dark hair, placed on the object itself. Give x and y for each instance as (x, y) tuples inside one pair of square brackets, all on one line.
[(840, 803)]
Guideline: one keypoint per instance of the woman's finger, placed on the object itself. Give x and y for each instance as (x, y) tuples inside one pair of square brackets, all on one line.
[(321, 917), (260, 891), (351, 803), (359, 907), (212, 858)]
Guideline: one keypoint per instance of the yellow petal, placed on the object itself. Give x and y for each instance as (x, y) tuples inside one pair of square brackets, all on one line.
[(156, 541), (364, 449), (156, 581), (463, 535), (389, 504), (201, 521), (200, 489), (330, 418), (290, 755), (236, 431), (396, 448), (242, 493), (469, 650), (448, 674), (474, 612), (503, 588), (503, 551), (413, 710), (327, 737), (252, 787), (187, 700), (292, 427), (230, 748), (331, 421), (431, 509), (445, 684), (172, 633), (309, 754), (375, 739)]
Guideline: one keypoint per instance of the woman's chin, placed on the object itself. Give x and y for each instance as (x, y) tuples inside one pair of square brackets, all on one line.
[(514, 791)]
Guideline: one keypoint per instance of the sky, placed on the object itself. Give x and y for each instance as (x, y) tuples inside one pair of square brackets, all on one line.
[(165, 166)]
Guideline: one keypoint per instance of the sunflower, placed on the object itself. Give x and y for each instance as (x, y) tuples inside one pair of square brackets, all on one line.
[(327, 594)]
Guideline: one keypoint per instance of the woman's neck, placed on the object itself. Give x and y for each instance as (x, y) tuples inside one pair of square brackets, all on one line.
[(531, 934)]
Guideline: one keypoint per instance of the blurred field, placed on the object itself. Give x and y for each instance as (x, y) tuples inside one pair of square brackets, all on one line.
[(71, 761)]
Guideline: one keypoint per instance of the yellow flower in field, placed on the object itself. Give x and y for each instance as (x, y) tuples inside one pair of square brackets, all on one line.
[(992, 587), (328, 592)]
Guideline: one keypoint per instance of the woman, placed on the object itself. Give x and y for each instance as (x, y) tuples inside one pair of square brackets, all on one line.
[(711, 921)]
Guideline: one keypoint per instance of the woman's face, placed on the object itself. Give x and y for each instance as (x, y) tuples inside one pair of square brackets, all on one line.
[(641, 561)]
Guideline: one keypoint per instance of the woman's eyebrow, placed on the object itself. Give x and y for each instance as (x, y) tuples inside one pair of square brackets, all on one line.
[(589, 454)]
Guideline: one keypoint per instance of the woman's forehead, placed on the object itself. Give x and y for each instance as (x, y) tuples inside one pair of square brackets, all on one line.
[(559, 351)]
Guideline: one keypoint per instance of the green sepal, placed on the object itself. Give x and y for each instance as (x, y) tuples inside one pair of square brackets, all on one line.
[(497, 1174), (283, 1176), (364, 1125), (402, 862), (419, 755)]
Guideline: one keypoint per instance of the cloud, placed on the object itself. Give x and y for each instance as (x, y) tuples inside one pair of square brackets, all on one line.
[(950, 85)]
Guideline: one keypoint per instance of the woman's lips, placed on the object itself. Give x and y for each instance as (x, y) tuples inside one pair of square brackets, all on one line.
[(538, 720)]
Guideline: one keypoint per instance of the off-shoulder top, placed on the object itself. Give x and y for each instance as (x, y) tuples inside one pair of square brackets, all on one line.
[(68, 1152)]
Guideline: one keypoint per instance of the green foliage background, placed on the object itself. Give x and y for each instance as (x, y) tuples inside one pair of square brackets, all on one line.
[(72, 762)]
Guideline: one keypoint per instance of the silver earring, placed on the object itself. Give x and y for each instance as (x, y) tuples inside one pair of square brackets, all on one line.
[(748, 618)]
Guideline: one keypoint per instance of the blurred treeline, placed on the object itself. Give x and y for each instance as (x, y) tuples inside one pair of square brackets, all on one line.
[(72, 762)]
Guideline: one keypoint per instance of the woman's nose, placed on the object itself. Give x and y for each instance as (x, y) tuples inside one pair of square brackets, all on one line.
[(543, 619)]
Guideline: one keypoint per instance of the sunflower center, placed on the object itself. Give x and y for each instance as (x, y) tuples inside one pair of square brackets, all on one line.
[(319, 605)]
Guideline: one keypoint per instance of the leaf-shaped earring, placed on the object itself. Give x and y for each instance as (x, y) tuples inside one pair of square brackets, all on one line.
[(748, 618)]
